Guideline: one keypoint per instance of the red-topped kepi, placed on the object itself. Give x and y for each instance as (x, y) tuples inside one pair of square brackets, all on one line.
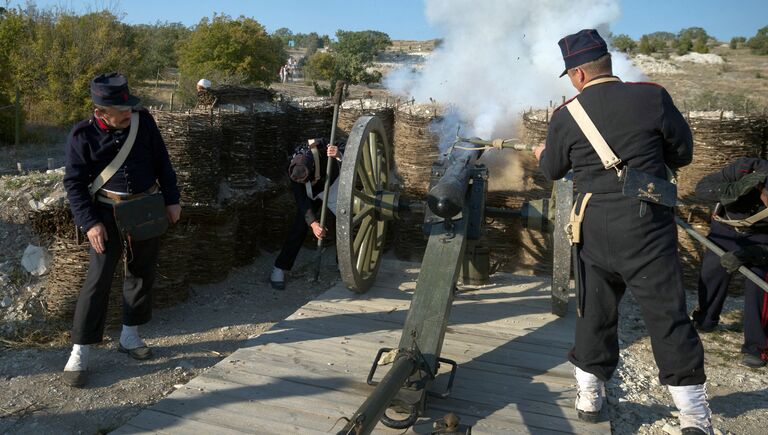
[(111, 89), (582, 47)]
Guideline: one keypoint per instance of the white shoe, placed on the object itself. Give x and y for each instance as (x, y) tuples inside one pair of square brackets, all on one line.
[(589, 395), (691, 400), (277, 278)]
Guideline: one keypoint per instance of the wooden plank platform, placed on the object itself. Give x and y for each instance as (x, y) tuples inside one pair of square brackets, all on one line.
[(309, 370)]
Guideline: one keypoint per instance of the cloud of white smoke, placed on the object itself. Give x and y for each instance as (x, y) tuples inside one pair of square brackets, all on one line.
[(499, 57)]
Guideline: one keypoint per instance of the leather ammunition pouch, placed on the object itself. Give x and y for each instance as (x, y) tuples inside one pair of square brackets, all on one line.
[(142, 218), (646, 187)]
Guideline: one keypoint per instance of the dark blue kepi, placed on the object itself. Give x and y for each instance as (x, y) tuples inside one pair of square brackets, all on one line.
[(582, 47), (111, 89)]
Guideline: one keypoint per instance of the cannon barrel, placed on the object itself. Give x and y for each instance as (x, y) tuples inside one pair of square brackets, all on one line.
[(446, 198)]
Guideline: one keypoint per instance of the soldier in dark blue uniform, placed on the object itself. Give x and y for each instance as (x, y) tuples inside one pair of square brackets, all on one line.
[(741, 193), (626, 242), (307, 174), (92, 145)]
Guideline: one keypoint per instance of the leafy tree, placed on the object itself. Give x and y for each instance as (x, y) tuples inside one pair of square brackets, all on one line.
[(759, 42), (320, 66), (645, 45), (230, 51), (59, 55), (663, 36), (700, 46), (737, 42), (684, 45), (363, 45), (623, 43), (693, 33), (355, 52), (158, 45)]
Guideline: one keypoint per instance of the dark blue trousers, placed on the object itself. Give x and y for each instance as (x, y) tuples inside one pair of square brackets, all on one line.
[(713, 288), (627, 246), (92, 303)]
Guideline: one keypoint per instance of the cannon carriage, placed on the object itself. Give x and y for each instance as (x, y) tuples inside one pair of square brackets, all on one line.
[(454, 212)]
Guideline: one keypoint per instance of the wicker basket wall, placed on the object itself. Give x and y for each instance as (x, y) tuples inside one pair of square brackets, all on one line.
[(279, 214), (212, 230), (250, 230), (416, 148), (194, 142), (719, 138), (352, 110)]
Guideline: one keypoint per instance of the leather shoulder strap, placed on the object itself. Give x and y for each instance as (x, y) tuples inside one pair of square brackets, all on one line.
[(316, 156), (607, 156), (746, 222), (119, 159)]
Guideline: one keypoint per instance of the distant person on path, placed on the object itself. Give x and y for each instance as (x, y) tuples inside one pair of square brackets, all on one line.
[(739, 226), (307, 173), (622, 226), (102, 183)]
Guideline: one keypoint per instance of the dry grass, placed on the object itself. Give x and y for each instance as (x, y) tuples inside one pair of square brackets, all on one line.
[(743, 76)]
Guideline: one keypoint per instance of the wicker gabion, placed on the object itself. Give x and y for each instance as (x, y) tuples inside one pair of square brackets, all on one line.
[(194, 145), (302, 123), (68, 270), (253, 145), (241, 96), (279, 214), (719, 138), (351, 110), (416, 147), (211, 230)]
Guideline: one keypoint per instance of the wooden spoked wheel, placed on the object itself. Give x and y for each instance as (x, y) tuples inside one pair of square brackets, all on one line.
[(365, 203)]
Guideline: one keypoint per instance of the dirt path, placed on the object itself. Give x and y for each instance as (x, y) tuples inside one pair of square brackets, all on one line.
[(187, 339)]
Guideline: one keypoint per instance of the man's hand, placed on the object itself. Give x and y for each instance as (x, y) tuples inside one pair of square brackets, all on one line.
[(333, 152), (731, 261), (173, 212), (538, 150), (97, 236), (317, 230)]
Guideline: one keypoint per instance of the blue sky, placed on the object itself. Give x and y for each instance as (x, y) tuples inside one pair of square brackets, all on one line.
[(404, 19)]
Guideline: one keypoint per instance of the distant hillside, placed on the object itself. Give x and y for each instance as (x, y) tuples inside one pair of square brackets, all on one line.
[(408, 45)]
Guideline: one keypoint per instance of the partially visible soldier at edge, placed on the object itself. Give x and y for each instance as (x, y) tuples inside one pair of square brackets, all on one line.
[(738, 227), (625, 241), (92, 146)]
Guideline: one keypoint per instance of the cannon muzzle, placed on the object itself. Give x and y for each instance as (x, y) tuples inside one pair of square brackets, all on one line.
[(446, 199)]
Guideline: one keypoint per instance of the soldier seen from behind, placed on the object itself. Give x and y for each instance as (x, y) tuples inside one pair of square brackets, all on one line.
[(620, 139), (739, 226)]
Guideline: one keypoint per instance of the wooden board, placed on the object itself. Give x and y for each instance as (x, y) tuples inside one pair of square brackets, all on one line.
[(309, 370)]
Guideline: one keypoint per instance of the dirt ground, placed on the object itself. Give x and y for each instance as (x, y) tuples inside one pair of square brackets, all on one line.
[(186, 339)]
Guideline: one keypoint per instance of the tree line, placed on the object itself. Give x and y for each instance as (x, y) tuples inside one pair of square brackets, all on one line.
[(692, 39), (50, 56)]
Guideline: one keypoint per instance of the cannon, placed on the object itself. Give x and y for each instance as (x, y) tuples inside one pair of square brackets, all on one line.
[(454, 212)]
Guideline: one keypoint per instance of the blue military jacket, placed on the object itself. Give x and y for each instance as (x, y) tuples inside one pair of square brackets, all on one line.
[(91, 146), (638, 120)]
